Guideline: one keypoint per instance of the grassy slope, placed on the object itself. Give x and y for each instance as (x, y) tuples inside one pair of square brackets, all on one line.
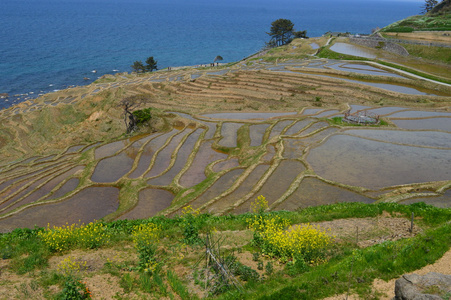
[(28, 255)]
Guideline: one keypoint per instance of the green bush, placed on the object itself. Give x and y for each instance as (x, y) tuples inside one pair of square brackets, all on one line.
[(142, 115), (74, 289), (191, 224)]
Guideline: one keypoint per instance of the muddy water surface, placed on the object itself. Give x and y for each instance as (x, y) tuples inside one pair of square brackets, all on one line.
[(229, 134), (196, 172), (180, 162), (360, 162), (148, 153), (416, 138), (282, 177), (113, 168), (164, 157), (219, 187), (425, 124), (314, 192), (151, 201), (256, 133), (443, 201), (90, 204)]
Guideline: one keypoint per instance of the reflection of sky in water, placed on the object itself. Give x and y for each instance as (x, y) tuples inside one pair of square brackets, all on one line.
[(151, 201), (314, 46), (362, 69), (352, 50), (419, 138), (419, 114), (443, 201), (246, 116), (371, 164), (86, 206), (433, 123)]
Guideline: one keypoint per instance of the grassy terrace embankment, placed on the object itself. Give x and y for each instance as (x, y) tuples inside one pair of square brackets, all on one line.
[(164, 258)]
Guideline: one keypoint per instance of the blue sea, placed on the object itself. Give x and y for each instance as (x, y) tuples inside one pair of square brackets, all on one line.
[(48, 45)]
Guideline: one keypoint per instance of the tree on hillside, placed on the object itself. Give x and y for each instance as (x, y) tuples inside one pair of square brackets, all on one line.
[(131, 119), (151, 64), (429, 5), (281, 32), (300, 34), (138, 67)]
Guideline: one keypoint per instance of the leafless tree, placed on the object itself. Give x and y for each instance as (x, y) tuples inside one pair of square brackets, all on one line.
[(128, 104)]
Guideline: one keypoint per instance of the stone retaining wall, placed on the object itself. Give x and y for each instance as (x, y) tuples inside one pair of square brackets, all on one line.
[(380, 44)]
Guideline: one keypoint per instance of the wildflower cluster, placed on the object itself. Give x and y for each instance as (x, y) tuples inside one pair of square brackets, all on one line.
[(191, 224), (146, 234), (145, 237), (259, 205), (92, 235), (305, 242), (71, 267)]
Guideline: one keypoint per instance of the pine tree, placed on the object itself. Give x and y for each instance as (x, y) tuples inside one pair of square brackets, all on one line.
[(429, 5), (151, 64), (138, 67)]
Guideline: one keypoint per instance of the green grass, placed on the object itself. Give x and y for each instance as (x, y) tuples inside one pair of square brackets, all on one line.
[(439, 54), (413, 71), (421, 23), (106, 80), (294, 281)]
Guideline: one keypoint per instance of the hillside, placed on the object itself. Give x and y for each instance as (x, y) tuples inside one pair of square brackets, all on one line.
[(443, 8), (438, 19), (228, 161)]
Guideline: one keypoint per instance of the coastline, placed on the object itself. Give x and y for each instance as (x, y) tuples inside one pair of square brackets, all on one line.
[(7, 101)]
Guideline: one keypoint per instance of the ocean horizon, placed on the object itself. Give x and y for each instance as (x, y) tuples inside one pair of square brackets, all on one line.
[(50, 45)]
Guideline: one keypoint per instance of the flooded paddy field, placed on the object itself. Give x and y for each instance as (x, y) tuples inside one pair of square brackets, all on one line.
[(295, 161), (258, 128)]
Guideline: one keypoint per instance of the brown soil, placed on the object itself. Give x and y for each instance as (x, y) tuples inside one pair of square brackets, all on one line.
[(370, 231)]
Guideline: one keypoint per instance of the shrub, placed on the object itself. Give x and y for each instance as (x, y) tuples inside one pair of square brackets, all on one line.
[(246, 273), (296, 267), (73, 290), (142, 115), (191, 224)]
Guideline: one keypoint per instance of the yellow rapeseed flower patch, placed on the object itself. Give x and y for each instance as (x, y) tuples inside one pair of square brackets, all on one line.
[(146, 234), (71, 267), (189, 210), (273, 237), (60, 238)]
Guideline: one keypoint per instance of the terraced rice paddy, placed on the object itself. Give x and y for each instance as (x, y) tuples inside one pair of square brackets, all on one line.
[(218, 159), (313, 163)]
